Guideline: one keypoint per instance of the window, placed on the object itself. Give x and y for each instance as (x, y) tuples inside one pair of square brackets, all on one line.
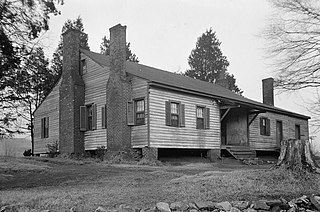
[(203, 117), (45, 127), (139, 112), (297, 132), (136, 112), (175, 114), (83, 66), (264, 126), (200, 117), (88, 117)]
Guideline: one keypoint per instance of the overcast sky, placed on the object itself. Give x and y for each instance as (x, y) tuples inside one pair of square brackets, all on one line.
[(163, 33)]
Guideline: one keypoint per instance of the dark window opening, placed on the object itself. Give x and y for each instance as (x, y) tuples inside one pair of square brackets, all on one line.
[(45, 127), (297, 132), (264, 126)]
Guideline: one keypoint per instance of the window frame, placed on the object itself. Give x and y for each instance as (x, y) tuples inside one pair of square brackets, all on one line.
[(139, 121), (175, 123), (265, 126), (202, 119)]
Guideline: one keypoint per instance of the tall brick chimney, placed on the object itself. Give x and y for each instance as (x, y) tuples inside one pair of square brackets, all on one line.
[(71, 96), (118, 49), (267, 91), (118, 93)]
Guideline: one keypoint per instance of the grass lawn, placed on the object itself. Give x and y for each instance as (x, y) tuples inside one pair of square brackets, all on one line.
[(58, 186)]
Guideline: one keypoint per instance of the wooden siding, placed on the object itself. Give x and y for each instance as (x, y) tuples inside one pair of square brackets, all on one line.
[(262, 142), (95, 79), (139, 134), (48, 108), (162, 136)]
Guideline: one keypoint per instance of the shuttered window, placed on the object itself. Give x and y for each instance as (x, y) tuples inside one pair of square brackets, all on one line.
[(88, 117), (175, 114), (45, 127), (265, 126), (136, 112)]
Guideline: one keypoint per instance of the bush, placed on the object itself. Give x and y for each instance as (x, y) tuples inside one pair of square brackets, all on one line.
[(100, 152), (27, 153), (53, 149)]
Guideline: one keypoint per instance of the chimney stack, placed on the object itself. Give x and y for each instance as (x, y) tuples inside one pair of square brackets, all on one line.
[(71, 95), (118, 49), (267, 91)]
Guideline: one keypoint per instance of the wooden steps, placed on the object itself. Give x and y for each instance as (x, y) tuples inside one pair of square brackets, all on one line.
[(241, 152)]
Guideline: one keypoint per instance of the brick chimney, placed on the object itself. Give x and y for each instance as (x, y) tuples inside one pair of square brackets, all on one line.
[(267, 91), (118, 49), (71, 96), (118, 93)]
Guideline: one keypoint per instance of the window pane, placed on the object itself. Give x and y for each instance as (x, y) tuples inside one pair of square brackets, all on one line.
[(174, 108), (174, 120), (140, 105), (200, 112), (200, 123)]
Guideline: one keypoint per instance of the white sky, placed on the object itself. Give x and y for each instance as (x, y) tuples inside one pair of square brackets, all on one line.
[(163, 33)]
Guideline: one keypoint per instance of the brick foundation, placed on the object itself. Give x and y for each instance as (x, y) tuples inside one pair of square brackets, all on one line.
[(150, 153)]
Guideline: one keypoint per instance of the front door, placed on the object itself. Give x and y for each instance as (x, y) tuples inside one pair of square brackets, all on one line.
[(279, 133)]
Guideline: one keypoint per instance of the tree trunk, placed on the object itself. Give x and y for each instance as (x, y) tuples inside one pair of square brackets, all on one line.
[(296, 155)]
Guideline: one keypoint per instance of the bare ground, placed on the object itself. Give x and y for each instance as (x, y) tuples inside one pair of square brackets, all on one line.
[(59, 184)]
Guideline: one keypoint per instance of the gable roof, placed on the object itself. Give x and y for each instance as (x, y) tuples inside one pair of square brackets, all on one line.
[(163, 78)]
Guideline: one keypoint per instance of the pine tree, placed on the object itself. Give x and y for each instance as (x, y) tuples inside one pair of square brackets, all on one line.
[(105, 49), (207, 63)]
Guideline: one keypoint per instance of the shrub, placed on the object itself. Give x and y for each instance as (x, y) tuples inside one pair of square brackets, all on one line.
[(53, 149), (100, 152), (27, 153)]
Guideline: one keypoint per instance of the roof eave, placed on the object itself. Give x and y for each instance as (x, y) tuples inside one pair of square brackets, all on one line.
[(223, 98)]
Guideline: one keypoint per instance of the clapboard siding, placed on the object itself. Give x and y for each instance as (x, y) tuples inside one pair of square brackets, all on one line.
[(162, 136), (48, 108), (95, 79), (262, 142), (139, 134)]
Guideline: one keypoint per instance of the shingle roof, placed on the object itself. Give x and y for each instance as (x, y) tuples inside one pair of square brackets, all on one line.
[(187, 84)]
